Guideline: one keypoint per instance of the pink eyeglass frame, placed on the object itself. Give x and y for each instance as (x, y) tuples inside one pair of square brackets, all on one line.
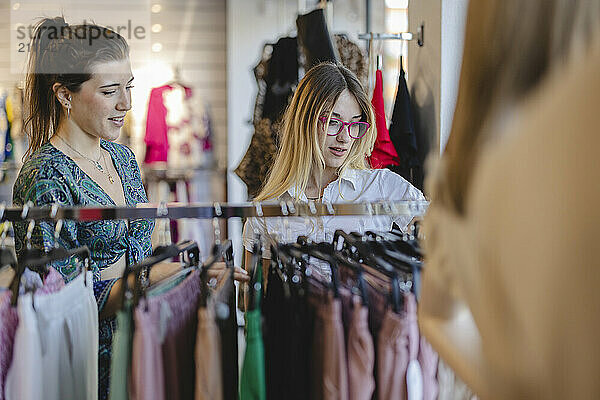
[(344, 124)]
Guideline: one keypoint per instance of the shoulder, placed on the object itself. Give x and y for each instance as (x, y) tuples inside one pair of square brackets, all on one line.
[(391, 185), (46, 171)]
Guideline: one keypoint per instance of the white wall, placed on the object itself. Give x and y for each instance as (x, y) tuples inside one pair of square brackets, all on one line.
[(434, 69)]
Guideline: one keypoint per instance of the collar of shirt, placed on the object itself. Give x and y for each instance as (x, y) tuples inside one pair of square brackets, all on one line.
[(349, 176)]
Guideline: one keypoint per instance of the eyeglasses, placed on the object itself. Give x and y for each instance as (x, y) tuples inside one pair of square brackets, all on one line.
[(356, 130)]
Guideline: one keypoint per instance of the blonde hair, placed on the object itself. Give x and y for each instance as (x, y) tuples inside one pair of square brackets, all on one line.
[(300, 153), (510, 46)]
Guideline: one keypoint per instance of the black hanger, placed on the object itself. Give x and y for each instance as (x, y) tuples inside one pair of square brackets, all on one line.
[(365, 255), (300, 253), (189, 256), (255, 264), (276, 268), (389, 252), (340, 261), (37, 260), (219, 252)]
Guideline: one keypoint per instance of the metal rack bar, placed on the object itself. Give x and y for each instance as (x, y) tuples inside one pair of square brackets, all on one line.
[(216, 210), (386, 36), (420, 35)]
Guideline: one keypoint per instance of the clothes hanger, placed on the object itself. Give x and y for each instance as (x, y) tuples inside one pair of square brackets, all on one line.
[(189, 257), (7, 256), (276, 268), (255, 264), (218, 253), (37, 260), (299, 260), (340, 261), (364, 255), (390, 252)]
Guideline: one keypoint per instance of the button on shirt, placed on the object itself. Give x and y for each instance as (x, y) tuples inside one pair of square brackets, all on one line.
[(353, 186)]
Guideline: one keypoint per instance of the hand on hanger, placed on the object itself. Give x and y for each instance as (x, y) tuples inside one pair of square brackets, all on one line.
[(217, 270)]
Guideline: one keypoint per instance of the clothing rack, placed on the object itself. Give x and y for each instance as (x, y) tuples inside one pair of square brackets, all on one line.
[(215, 210), (396, 36)]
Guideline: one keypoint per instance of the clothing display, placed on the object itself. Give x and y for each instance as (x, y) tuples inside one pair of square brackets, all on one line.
[(208, 357), (314, 38), (352, 186), (255, 165), (352, 57), (384, 154), (51, 177), (57, 342), (252, 380), (403, 135), (361, 354), (325, 317), (120, 373), (165, 333), (9, 320), (178, 130)]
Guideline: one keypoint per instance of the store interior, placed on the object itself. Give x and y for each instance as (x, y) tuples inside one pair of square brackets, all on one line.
[(212, 80)]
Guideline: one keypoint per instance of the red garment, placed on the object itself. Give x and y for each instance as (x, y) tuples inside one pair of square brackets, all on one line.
[(384, 153), (157, 141)]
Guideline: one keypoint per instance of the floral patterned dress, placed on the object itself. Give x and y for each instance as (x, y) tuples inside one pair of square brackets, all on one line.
[(49, 176)]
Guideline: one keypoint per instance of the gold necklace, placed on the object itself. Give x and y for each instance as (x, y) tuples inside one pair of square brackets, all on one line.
[(95, 163)]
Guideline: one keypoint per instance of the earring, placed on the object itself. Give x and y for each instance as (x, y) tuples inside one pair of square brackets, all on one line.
[(69, 108)]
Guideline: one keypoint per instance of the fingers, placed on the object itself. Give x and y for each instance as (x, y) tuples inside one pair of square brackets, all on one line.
[(241, 275), (218, 271)]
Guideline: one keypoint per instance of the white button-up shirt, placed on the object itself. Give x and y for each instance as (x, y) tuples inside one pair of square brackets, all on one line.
[(354, 186)]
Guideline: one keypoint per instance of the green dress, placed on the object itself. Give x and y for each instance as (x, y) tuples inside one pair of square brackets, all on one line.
[(49, 176), (252, 381)]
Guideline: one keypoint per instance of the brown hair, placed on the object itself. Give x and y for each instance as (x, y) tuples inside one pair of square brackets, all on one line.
[(510, 46), (300, 152), (64, 54)]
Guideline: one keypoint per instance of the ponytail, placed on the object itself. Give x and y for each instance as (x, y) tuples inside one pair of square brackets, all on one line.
[(64, 54)]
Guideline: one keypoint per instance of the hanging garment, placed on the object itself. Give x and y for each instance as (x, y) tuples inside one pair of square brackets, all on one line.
[(329, 352), (176, 128), (49, 177), (260, 73), (287, 373), (428, 359), (352, 57), (4, 127), (398, 369), (314, 39), (209, 381), (165, 331), (9, 320), (120, 373), (252, 381), (361, 355), (147, 378), (259, 157), (228, 331), (57, 343), (384, 153), (281, 78), (403, 135)]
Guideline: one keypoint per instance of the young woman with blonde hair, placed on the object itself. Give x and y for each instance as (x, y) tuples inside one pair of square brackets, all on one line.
[(327, 134)]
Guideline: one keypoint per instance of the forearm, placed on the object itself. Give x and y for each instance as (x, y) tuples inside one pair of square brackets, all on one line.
[(157, 273)]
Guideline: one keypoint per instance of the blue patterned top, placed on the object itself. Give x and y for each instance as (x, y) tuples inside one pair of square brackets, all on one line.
[(49, 176)]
